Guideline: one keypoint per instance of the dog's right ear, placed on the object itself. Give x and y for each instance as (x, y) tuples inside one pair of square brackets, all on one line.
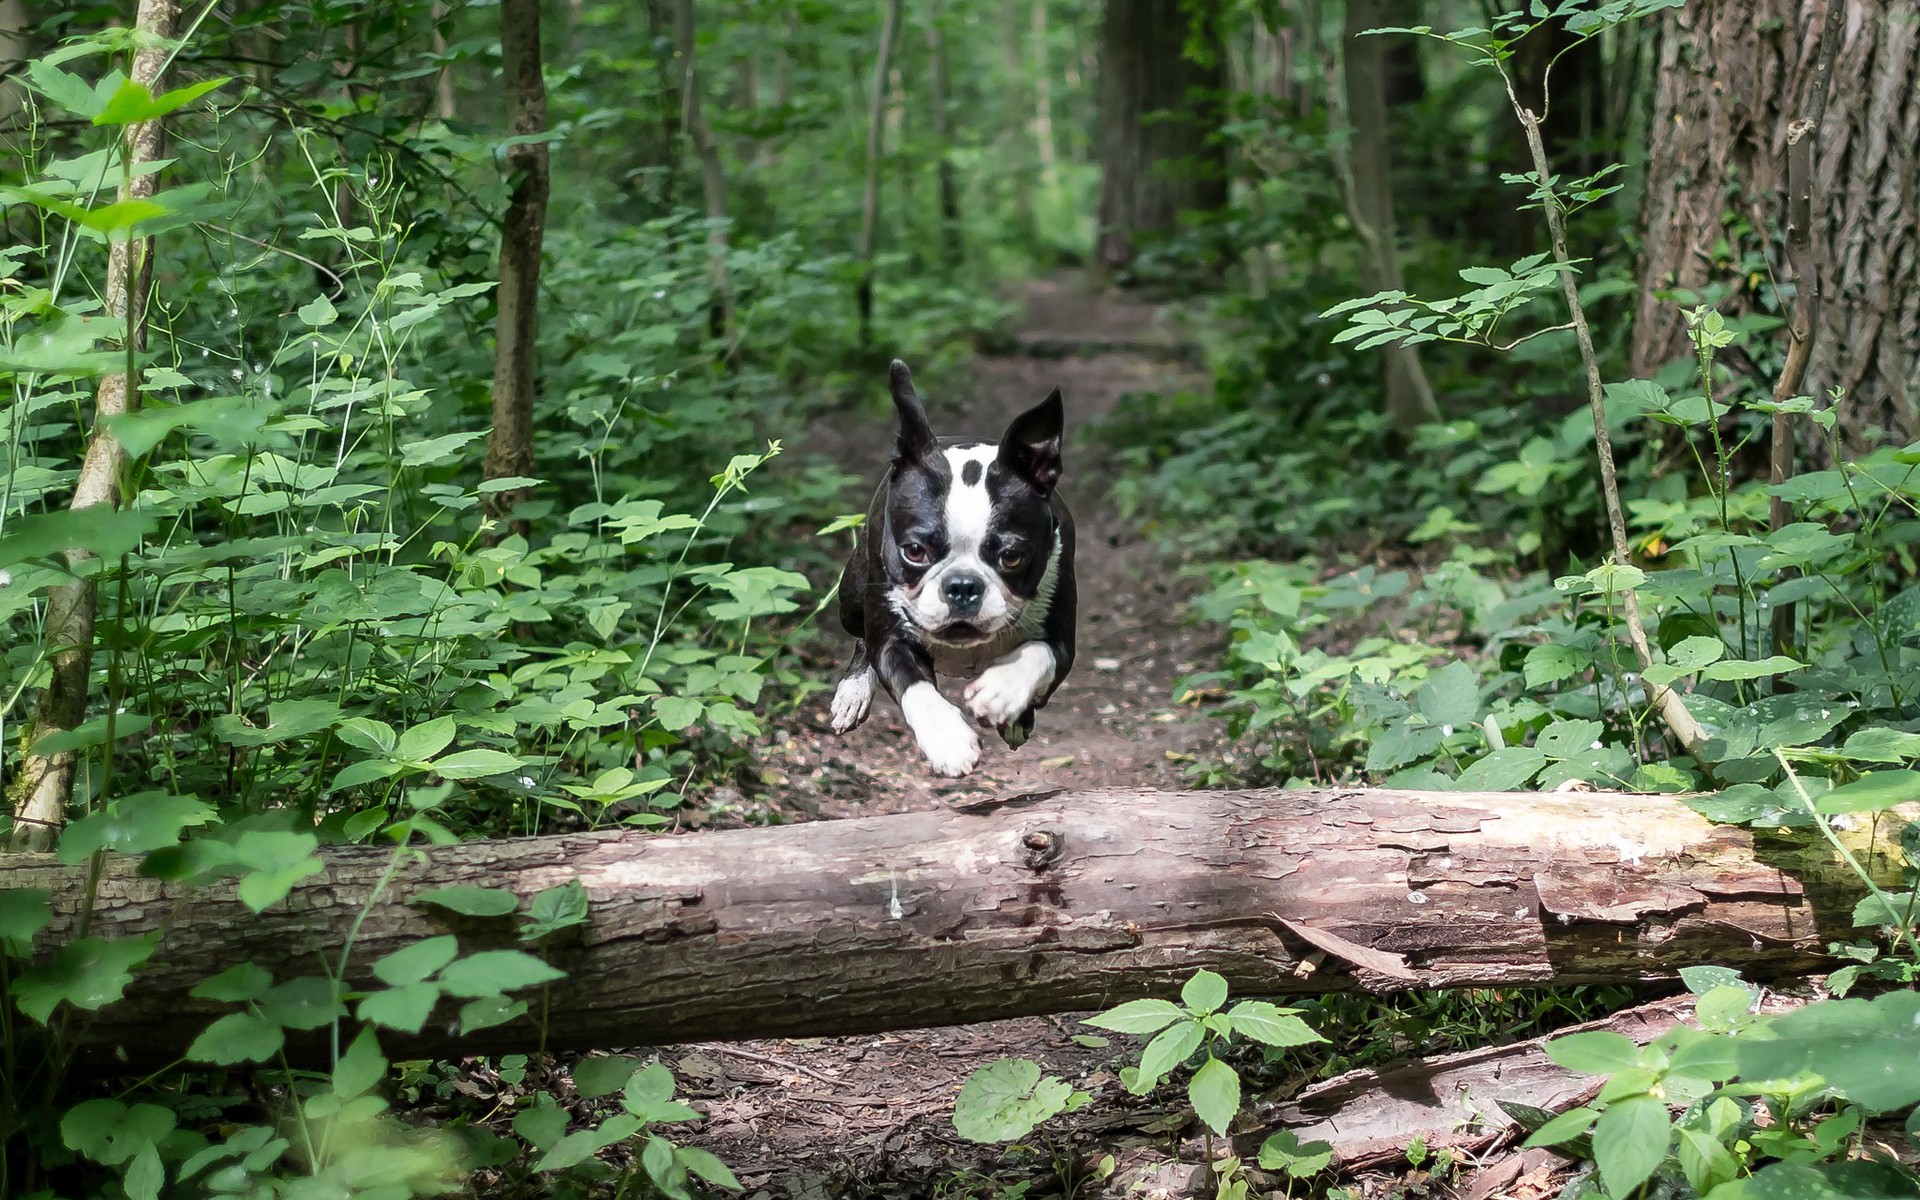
[(914, 443)]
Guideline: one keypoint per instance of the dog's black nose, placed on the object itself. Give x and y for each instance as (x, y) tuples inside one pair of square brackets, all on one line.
[(963, 593)]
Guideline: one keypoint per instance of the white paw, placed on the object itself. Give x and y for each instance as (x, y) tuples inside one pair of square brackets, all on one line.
[(950, 744), (851, 700), (1008, 687)]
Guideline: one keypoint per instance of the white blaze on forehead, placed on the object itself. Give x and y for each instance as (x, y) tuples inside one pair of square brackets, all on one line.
[(969, 505)]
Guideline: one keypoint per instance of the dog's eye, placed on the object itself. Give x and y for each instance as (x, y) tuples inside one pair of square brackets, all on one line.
[(1013, 560), (915, 554)]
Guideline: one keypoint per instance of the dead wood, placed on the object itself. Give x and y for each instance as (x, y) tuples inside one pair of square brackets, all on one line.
[(1044, 904)]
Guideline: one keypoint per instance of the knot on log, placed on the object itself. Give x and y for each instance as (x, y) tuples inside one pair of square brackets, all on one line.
[(1041, 848)]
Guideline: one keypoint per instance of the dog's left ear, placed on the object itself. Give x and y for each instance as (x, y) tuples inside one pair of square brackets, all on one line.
[(1031, 446)]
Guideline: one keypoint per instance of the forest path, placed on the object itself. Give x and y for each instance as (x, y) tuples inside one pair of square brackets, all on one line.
[(872, 1116), (1113, 722)]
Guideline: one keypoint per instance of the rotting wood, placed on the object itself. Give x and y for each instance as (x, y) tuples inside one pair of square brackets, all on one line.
[(1056, 902), (1453, 1101)]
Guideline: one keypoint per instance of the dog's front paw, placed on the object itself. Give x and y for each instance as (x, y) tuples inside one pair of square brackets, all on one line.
[(1008, 687), (950, 744), (852, 699)]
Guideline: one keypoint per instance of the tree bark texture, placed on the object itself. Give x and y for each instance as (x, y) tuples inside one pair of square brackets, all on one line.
[(1409, 398), (713, 176), (1054, 902), (1159, 113), (876, 146), (522, 231), (1732, 75), (45, 785)]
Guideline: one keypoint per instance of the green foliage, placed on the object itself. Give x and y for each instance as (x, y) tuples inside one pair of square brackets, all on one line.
[(1006, 1099), (1770, 1104)]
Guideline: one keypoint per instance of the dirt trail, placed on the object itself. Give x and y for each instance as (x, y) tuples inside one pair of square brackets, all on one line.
[(1113, 722), (871, 1116)]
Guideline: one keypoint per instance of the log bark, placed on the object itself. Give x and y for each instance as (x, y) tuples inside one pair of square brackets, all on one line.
[(1730, 77), (1056, 902), (45, 785), (522, 232)]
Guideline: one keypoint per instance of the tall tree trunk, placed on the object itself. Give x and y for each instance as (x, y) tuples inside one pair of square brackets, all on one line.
[(870, 193), (952, 247), (45, 784), (517, 323), (1016, 133), (13, 56), (713, 177), (1159, 114), (1046, 903), (444, 106), (1409, 398), (1043, 142), (1732, 75)]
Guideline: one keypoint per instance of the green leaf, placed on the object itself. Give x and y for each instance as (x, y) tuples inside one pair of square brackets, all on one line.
[(1872, 792), (412, 964), (145, 1175), (422, 742), (676, 712), (89, 974), (360, 1068), (1704, 1161), (1736, 669), (604, 1075), (559, 907), (1168, 1049), (307, 1002), (110, 1133), (706, 1166), (1503, 770), (365, 733), (1599, 1052), (404, 1009), (277, 860), (24, 912), (1865, 1050), (542, 1125), (67, 90), (286, 720), (1204, 993), (366, 771), (1283, 1151), (475, 764), (1138, 1016), (1261, 1021), (1214, 1092), (107, 533), (135, 102), (496, 972), (318, 312), (576, 1148), (1857, 1180), (241, 1037), (236, 985), (1630, 1141), (1450, 696), (1564, 1128), (471, 900), (133, 824), (1004, 1100), (1703, 979)]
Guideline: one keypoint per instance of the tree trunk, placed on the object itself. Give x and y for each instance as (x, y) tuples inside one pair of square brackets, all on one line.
[(1731, 76), (444, 105), (952, 248), (1159, 114), (45, 784), (1042, 904), (14, 51), (517, 321), (1409, 398), (870, 192), (713, 176)]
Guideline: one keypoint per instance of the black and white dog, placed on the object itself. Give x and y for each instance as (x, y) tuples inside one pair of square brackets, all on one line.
[(966, 562)]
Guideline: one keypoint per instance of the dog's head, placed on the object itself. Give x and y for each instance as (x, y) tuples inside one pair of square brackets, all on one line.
[(968, 537)]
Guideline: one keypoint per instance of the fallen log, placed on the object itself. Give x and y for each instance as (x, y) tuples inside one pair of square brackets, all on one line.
[(1457, 1101), (1046, 903)]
